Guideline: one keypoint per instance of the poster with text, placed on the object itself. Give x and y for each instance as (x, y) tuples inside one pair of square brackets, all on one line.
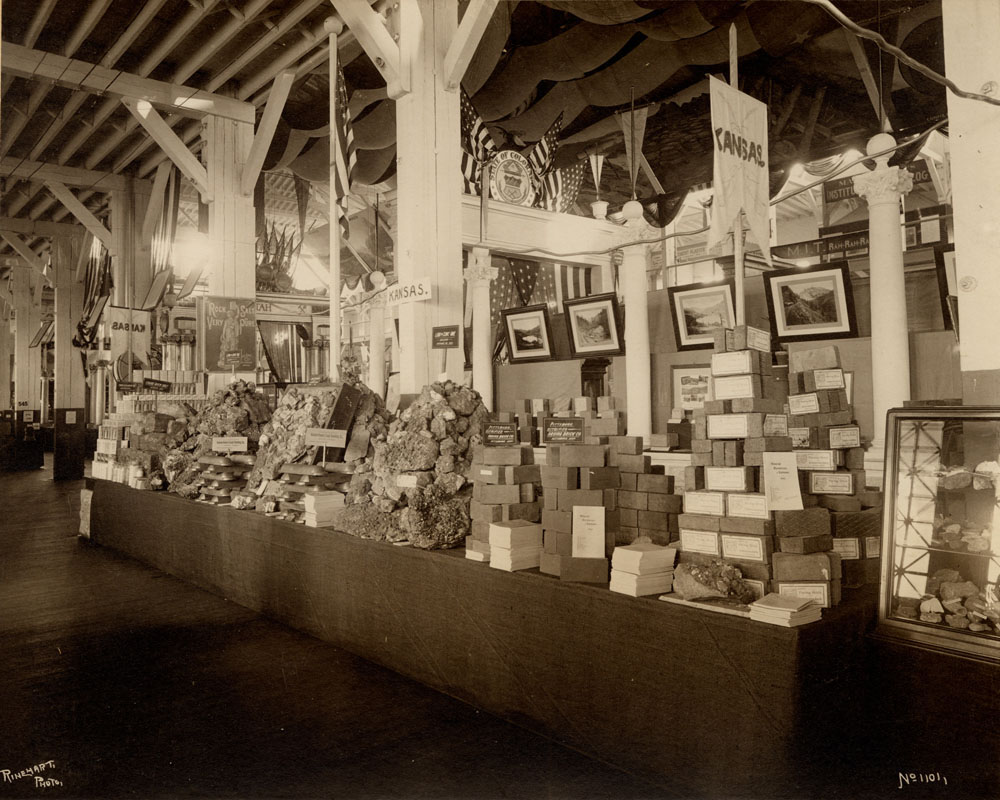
[(228, 334)]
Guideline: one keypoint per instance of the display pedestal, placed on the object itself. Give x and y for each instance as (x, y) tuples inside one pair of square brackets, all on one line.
[(665, 692)]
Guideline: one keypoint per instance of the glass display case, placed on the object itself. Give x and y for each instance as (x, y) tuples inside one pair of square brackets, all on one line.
[(940, 584)]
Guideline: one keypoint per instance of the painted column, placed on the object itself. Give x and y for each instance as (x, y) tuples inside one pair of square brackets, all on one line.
[(634, 296), (429, 239), (70, 376), (479, 275), (333, 27), (376, 335), (890, 341), (27, 361), (972, 60), (6, 351)]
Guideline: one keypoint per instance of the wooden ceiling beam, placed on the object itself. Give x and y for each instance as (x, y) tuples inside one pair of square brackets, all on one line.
[(38, 65), (265, 130), (370, 30), (155, 206), (880, 104), (42, 12), (172, 145), (470, 31), (36, 228), (82, 213), (23, 169), (29, 255)]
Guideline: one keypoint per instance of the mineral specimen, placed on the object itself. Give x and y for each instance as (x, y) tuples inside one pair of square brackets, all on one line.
[(716, 580)]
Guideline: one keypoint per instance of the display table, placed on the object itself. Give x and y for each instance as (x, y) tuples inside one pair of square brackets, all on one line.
[(667, 692)]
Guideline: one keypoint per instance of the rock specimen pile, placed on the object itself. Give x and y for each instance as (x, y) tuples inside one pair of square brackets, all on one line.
[(237, 410), (414, 489)]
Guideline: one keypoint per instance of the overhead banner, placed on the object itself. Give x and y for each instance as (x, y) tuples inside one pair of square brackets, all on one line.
[(129, 329), (739, 136)]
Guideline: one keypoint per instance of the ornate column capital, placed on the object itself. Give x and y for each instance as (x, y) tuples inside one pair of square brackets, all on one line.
[(480, 272), (883, 184)]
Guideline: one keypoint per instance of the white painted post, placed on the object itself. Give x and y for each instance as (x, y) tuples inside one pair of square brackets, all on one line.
[(882, 188), (478, 275), (333, 28), (376, 335), (27, 362), (429, 238), (634, 296)]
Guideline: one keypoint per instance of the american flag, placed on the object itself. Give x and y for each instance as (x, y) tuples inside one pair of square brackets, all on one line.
[(513, 288), (541, 155), (345, 154), (573, 282), (561, 187), (477, 145)]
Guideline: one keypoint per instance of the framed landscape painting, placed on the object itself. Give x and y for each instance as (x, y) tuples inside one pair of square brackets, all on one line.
[(529, 334), (592, 323), (699, 310), (813, 303)]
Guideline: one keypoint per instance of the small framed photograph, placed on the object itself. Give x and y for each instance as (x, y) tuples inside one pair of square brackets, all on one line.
[(944, 259), (699, 310), (692, 386), (593, 326), (529, 334), (812, 303)]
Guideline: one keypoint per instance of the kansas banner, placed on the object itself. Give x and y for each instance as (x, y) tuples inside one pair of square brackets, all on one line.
[(739, 140), (128, 326)]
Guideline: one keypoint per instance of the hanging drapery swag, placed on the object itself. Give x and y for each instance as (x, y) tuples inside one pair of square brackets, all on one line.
[(97, 286)]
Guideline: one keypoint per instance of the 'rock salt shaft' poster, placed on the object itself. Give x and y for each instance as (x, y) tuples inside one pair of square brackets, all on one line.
[(228, 334)]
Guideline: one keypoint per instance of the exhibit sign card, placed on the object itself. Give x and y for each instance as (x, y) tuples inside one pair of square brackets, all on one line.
[(588, 532), (781, 482), (326, 437), (562, 430), (229, 444), (500, 434)]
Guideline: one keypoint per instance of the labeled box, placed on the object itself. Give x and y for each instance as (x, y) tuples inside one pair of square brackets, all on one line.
[(747, 547)]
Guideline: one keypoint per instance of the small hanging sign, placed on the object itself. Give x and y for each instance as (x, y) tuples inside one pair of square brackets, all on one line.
[(154, 385), (444, 337)]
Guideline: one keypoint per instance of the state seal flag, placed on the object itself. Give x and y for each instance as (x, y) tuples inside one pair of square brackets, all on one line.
[(739, 142)]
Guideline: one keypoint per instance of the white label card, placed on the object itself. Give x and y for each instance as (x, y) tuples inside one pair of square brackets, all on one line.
[(734, 387), (781, 482), (738, 363), (727, 426), (816, 460), (726, 479), (818, 592), (758, 339), (588, 532), (829, 378), (326, 437), (848, 436), (776, 425), (29, 416), (229, 444), (749, 505), (749, 548), (831, 483), (705, 503), (848, 548), (700, 542), (803, 403), (873, 546), (71, 418)]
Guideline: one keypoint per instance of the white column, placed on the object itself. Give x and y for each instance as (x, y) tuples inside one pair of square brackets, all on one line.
[(972, 59), (890, 341), (478, 275), (376, 335), (333, 27), (6, 351), (633, 283), (27, 362), (429, 239)]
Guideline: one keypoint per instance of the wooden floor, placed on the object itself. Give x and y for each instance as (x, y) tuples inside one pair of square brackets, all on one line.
[(138, 685)]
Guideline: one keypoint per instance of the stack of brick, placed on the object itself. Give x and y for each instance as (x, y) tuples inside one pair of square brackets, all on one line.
[(504, 489), (601, 417), (580, 514), (725, 510), (647, 505), (830, 458), (821, 424)]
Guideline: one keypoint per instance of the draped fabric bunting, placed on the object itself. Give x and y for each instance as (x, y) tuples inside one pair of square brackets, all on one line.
[(345, 156), (97, 286)]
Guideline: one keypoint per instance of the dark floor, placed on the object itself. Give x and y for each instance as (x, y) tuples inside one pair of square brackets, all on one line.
[(136, 684)]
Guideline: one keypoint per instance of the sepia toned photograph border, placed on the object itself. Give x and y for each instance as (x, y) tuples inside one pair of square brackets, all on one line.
[(525, 352), (611, 343), (799, 318), (681, 297)]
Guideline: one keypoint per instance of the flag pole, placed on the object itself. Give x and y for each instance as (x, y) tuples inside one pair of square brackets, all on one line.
[(333, 28), (734, 81)]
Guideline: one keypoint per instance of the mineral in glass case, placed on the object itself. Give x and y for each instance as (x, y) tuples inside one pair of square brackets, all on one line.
[(940, 585)]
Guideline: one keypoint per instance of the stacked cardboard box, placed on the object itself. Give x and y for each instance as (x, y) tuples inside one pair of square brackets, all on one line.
[(642, 568), (515, 544), (725, 511), (580, 514), (504, 488), (111, 438), (647, 505)]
